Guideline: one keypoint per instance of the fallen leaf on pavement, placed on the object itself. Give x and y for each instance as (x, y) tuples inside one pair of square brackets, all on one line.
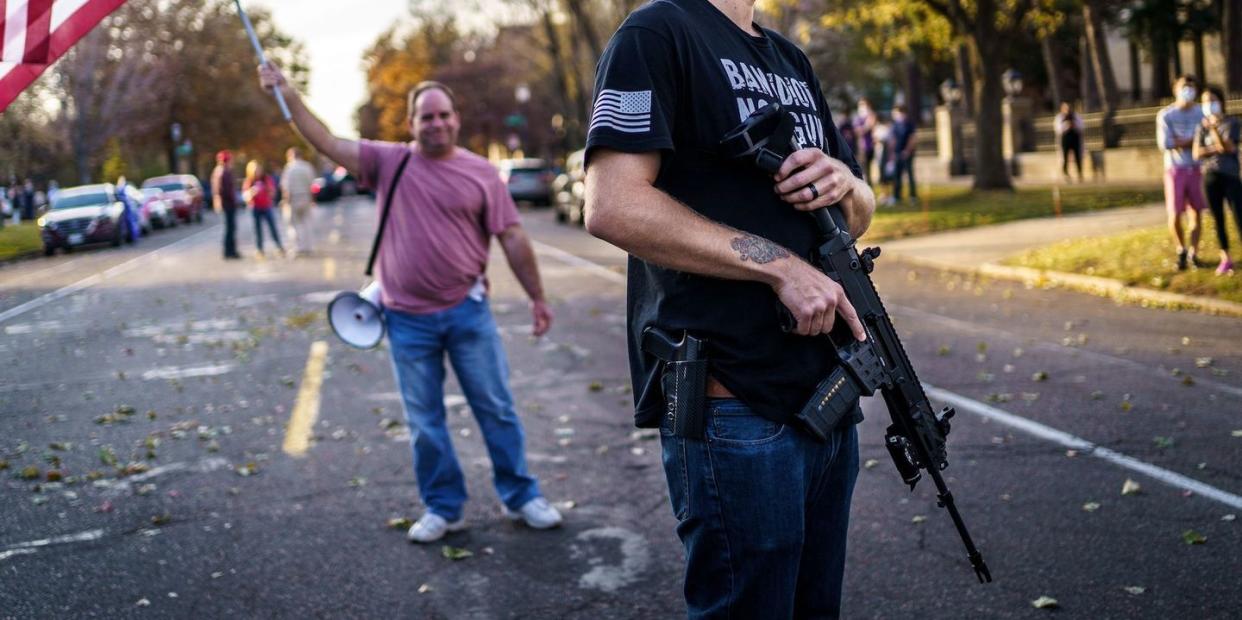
[(1039, 376), (400, 523), (870, 463), (1229, 517), (1193, 538), (142, 602), (1045, 602), (425, 588), (1203, 362), (161, 519), (944, 350), (1162, 442), (1130, 487), (1135, 590), (1091, 506), (918, 519), (596, 386), (455, 553), (30, 472), (1237, 433)]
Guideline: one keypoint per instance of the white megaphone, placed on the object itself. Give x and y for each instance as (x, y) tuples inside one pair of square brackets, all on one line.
[(358, 318)]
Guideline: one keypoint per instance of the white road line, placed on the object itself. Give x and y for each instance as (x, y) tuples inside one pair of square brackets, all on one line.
[(173, 372), (1048, 433), (88, 282), (33, 546), (578, 261), (1059, 349), (1031, 427)]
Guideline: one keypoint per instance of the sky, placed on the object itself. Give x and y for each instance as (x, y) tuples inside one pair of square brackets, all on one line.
[(335, 35)]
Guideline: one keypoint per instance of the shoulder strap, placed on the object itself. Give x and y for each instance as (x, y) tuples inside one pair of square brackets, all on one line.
[(379, 233)]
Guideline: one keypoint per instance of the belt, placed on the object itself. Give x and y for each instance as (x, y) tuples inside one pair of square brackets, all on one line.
[(715, 389)]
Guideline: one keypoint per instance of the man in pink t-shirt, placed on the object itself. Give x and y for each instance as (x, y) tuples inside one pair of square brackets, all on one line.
[(446, 206)]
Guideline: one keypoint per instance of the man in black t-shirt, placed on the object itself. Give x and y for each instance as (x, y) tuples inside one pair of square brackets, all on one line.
[(717, 247)]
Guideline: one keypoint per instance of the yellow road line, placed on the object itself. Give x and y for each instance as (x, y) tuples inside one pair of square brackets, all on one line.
[(329, 268), (306, 409)]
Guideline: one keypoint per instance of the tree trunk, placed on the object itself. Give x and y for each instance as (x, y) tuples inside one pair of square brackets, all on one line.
[(1102, 67), (1086, 77), (560, 68), (1231, 43), (1176, 51), (1200, 63), (1161, 85), (1054, 71), (1136, 75), (991, 169), (914, 90), (582, 23), (965, 76)]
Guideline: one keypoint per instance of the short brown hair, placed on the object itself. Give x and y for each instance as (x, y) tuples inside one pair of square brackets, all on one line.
[(423, 87)]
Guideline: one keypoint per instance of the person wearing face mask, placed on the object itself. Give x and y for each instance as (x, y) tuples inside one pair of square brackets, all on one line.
[(446, 205), (1176, 125), (1216, 147)]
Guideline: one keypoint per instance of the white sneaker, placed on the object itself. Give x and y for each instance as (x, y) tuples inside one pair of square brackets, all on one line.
[(432, 527), (537, 513)]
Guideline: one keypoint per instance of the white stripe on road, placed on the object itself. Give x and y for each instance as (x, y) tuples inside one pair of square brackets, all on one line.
[(33, 546), (578, 261), (1060, 349), (1047, 433), (173, 372), (86, 283), (1030, 427)]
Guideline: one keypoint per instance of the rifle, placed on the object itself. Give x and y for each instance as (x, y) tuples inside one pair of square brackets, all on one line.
[(916, 437)]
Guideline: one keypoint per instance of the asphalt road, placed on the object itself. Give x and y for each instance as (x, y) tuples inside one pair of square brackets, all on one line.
[(160, 384)]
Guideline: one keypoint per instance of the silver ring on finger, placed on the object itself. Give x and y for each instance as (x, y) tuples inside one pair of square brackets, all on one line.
[(814, 191)]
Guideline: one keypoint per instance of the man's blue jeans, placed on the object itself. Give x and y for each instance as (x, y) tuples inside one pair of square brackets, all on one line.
[(763, 511), (468, 334)]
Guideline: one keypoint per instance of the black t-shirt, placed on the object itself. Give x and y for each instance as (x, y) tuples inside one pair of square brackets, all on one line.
[(676, 77)]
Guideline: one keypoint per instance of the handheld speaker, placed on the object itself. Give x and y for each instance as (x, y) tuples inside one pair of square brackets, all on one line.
[(358, 318)]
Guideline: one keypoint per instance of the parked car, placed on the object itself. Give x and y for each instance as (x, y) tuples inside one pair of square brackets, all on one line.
[(83, 215), (569, 190), (183, 192), (156, 209), (332, 185), (529, 180)]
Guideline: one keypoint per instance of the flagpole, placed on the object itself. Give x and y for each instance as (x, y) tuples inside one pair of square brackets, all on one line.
[(258, 49)]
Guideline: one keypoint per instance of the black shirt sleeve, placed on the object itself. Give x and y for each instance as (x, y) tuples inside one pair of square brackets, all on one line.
[(635, 94)]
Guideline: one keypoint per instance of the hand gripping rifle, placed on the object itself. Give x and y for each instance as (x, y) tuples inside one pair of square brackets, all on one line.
[(916, 437)]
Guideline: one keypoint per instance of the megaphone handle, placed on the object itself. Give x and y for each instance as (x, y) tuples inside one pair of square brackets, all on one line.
[(383, 223)]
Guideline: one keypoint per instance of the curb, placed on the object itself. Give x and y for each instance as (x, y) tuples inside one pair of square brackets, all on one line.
[(1094, 285)]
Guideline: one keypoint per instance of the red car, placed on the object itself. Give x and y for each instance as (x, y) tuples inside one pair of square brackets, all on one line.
[(182, 192)]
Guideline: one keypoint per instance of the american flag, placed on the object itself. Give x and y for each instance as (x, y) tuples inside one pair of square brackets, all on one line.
[(628, 111), (34, 33)]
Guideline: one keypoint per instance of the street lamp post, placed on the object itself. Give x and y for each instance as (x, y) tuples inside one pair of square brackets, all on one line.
[(949, 116)]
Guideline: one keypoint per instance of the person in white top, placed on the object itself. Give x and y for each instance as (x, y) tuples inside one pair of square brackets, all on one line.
[(1069, 129), (298, 204)]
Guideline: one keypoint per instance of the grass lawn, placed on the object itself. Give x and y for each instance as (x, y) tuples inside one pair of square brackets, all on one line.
[(19, 240), (1144, 258), (952, 207)]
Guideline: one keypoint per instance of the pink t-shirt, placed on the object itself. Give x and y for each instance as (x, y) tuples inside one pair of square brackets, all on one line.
[(444, 215)]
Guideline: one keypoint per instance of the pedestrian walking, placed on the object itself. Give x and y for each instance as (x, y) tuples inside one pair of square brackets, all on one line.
[(129, 215), (1216, 148), (446, 205), (224, 200), (762, 505), (259, 192), (298, 203), (864, 123), (1176, 125), (1069, 130), (902, 136)]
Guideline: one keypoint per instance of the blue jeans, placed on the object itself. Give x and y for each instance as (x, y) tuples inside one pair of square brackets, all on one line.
[(904, 166), (468, 334), (265, 215), (763, 511)]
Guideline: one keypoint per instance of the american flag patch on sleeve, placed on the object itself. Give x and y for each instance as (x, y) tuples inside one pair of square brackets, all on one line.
[(628, 111)]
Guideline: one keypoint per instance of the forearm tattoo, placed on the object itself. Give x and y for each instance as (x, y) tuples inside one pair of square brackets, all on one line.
[(758, 249)]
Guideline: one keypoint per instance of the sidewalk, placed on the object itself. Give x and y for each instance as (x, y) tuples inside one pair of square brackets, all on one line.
[(979, 251)]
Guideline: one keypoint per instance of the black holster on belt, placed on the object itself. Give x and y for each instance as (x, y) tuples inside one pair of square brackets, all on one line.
[(683, 379)]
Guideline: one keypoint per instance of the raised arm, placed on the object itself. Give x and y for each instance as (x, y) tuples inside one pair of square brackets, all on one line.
[(624, 208), (340, 150)]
